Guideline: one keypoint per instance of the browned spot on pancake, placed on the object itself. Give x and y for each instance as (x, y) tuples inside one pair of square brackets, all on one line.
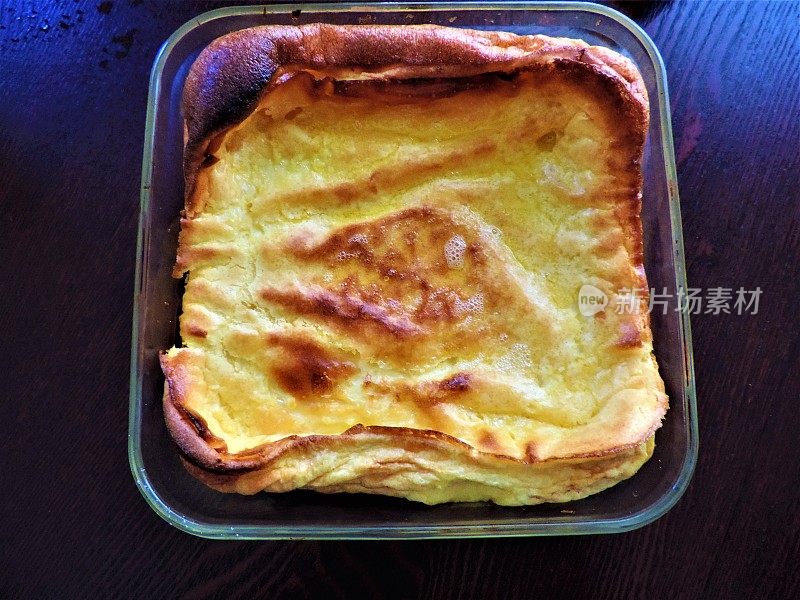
[(347, 192), (488, 441), (630, 336), (547, 141), (530, 452), (305, 369), (390, 275), (201, 427), (457, 383), (411, 172), (396, 234), (426, 400), (424, 393), (196, 330), (407, 245), (346, 311), (388, 178), (477, 254), (401, 257), (293, 113), (431, 393)]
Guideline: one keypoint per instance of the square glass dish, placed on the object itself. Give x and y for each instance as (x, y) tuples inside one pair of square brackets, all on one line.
[(191, 506)]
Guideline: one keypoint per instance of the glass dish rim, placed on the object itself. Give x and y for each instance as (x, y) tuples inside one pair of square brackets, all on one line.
[(555, 526)]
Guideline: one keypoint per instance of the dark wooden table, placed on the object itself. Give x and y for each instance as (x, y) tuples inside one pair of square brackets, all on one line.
[(73, 89)]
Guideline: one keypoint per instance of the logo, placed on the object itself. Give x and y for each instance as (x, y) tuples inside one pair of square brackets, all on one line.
[(591, 300)]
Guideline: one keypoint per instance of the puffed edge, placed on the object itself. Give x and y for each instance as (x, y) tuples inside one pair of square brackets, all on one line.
[(392, 460), (230, 76)]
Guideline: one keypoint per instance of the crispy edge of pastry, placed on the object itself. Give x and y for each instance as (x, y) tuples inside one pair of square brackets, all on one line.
[(184, 379), (234, 72)]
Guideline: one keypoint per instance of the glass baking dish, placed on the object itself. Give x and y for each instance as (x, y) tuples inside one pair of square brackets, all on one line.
[(192, 507)]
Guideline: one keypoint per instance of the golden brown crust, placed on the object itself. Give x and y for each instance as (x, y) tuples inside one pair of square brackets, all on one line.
[(188, 430), (203, 450), (229, 77), (225, 86)]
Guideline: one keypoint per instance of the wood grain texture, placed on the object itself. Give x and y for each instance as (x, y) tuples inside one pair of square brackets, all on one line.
[(73, 87)]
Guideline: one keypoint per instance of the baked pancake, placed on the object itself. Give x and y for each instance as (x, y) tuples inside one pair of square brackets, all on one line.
[(385, 233)]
